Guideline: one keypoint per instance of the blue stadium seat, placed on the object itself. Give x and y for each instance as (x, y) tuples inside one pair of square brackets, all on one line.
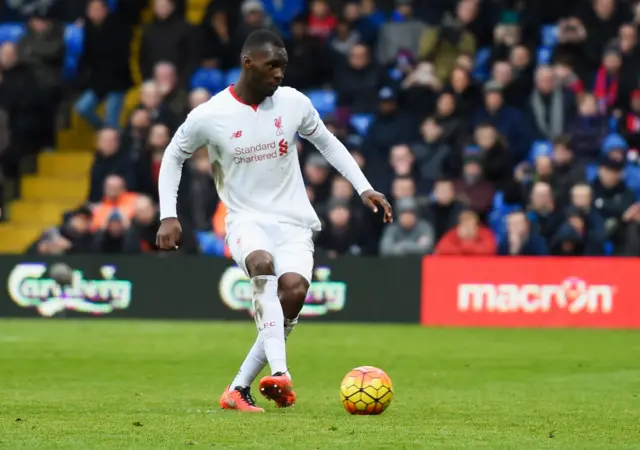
[(498, 200), (549, 35), (210, 244), (324, 101), (544, 55), (232, 76), (592, 172), (11, 32), (210, 79), (632, 177), (361, 122)]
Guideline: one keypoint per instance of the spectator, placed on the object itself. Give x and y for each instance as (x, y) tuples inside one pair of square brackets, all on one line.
[(21, 103), (320, 23), (410, 235), (472, 187), (390, 127), (551, 108), (253, 18), (141, 234), (567, 77), (432, 152), (147, 165), (453, 123), (516, 93), (340, 235), (402, 186), (631, 122), (567, 170), (197, 97), (569, 240), (445, 43), (507, 120), (602, 21), (468, 238), (444, 209), (151, 100), (542, 212), (307, 66), (215, 43), (467, 94), (403, 33), (316, 172), (42, 50), (582, 199), (174, 97), (611, 84), (343, 40), (116, 199), (113, 237), (356, 81), (134, 137), (506, 35), (168, 39), (588, 129), (521, 239), (202, 191), (105, 65), (572, 35), (366, 28), (108, 160), (496, 160), (73, 236), (613, 200), (420, 89)]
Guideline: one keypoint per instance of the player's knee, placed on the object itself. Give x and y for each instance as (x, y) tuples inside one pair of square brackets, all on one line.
[(292, 291), (260, 262)]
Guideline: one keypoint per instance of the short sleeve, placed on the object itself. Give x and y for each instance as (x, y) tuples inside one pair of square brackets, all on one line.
[(310, 117), (191, 135)]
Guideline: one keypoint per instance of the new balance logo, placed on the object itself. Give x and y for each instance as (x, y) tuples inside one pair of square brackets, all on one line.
[(283, 145), (236, 135)]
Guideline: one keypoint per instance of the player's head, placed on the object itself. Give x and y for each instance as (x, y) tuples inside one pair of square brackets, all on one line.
[(264, 60)]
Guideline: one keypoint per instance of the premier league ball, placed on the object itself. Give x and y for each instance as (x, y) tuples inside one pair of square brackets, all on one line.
[(61, 273), (366, 390)]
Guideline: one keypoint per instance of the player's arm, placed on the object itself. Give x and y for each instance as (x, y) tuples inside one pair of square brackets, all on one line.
[(315, 131), (185, 142)]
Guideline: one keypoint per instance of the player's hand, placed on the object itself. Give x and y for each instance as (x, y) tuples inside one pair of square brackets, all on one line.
[(374, 200), (169, 234)]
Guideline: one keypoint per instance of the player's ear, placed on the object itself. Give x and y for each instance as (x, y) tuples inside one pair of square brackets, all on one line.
[(246, 62)]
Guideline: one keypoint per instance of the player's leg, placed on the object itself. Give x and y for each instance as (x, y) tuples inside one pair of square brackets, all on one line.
[(294, 266), (251, 248)]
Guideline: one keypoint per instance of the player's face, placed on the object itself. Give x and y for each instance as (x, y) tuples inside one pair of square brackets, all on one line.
[(267, 67)]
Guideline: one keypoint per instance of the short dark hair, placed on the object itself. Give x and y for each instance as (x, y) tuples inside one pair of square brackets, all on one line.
[(259, 38)]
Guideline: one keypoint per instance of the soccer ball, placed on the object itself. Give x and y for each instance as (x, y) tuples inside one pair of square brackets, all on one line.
[(366, 390)]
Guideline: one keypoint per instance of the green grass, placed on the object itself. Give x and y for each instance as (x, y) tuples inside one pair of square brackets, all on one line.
[(155, 385)]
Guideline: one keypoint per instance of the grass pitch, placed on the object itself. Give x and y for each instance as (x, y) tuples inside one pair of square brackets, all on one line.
[(102, 384)]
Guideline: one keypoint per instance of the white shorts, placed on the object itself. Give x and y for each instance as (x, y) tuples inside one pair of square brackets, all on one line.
[(291, 245)]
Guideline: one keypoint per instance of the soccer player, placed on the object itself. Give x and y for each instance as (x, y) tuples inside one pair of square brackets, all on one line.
[(250, 131)]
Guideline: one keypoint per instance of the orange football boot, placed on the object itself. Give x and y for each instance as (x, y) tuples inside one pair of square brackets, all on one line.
[(277, 387), (239, 399)]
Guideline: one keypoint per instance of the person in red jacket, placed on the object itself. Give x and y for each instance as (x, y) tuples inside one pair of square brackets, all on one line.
[(468, 238)]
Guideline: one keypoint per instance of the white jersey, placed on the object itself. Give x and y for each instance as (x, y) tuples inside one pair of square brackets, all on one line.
[(252, 149)]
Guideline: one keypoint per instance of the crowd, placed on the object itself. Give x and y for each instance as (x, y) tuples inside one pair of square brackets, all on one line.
[(494, 126)]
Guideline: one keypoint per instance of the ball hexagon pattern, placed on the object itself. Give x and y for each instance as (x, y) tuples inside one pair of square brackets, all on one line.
[(366, 390)]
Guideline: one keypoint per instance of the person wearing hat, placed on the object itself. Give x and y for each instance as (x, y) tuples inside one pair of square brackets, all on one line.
[(411, 235), (391, 126), (42, 49), (611, 197), (507, 120), (472, 186)]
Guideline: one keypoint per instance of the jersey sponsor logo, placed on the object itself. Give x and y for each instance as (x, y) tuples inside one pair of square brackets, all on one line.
[(573, 295), (283, 146), (278, 123), (236, 134), (261, 152)]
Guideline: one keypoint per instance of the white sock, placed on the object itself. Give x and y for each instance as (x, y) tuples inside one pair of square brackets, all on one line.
[(256, 360), (270, 320)]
